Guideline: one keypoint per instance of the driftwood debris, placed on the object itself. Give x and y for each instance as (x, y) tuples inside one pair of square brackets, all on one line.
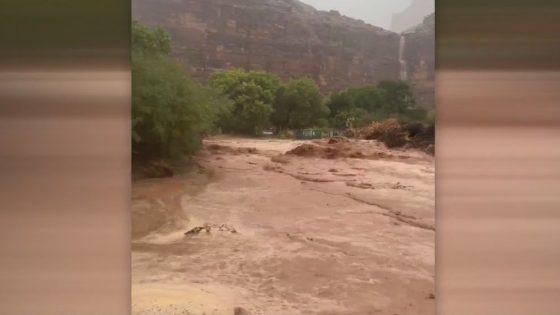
[(209, 227)]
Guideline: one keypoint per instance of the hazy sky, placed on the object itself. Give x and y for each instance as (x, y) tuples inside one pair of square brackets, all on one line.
[(375, 12)]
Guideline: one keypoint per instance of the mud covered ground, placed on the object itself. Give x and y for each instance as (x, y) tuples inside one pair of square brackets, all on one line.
[(291, 227)]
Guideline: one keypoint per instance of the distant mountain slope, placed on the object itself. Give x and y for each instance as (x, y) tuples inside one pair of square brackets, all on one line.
[(285, 37), (419, 53)]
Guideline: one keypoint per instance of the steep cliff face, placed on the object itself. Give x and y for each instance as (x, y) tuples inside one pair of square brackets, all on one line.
[(419, 54), (284, 37)]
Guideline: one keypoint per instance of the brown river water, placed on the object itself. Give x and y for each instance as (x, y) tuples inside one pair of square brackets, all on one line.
[(314, 235)]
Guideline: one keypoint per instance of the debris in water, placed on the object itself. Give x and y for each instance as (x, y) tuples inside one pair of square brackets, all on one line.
[(216, 148), (240, 311), (198, 229), (399, 186), (209, 227)]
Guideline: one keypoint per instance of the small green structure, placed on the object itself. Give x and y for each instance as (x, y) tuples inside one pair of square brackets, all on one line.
[(307, 134)]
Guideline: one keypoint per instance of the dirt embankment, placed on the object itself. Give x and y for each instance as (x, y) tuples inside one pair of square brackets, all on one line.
[(287, 227)]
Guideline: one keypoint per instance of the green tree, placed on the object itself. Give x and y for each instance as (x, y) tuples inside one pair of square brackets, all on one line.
[(170, 112), (358, 116), (399, 101), (299, 105), (252, 95), (367, 98), (389, 99), (396, 97), (360, 105), (149, 41)]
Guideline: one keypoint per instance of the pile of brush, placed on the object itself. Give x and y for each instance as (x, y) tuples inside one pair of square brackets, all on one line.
[(396, 134)]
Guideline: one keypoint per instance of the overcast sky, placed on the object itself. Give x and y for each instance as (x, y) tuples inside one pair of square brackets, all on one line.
[(375, 12)]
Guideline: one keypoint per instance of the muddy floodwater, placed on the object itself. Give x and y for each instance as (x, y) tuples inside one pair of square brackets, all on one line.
[(345, 227)]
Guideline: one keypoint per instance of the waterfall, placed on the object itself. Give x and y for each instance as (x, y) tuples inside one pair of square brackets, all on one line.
[(403, 74)]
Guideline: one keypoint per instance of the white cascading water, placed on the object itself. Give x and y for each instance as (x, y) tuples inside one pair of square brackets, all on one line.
[(402, 62)]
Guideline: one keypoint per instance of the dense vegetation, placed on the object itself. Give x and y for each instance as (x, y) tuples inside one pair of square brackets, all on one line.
[(171, 112), (299, 105), (261, 101), (362, 105), (252, 94)]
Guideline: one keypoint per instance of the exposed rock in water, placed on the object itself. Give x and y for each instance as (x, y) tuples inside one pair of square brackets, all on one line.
[(284, 37)]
